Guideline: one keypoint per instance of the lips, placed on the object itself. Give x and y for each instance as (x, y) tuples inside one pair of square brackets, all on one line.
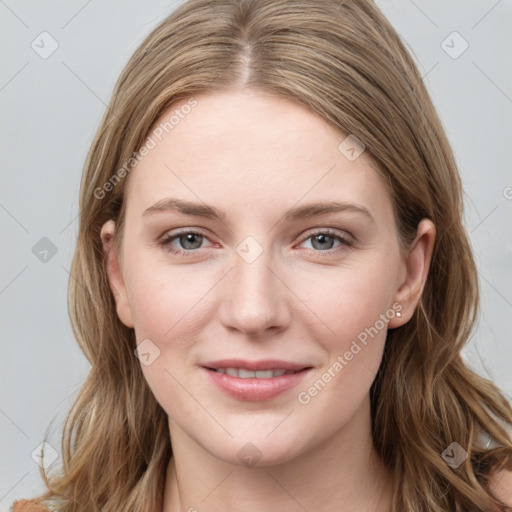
[(254, 380), (263, 365), (243, 373)]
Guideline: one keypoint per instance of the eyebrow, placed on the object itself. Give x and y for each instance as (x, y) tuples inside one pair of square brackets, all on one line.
[(296, 213)]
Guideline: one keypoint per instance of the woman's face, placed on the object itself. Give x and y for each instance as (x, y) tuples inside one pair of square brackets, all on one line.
[(258, 238)]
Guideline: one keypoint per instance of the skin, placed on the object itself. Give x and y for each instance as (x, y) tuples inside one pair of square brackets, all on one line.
[(254, 156)]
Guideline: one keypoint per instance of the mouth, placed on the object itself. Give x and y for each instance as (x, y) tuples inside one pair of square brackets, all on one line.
[(244, 373), (255, 381)]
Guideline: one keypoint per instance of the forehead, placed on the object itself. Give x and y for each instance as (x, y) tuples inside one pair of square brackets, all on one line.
[(249, 149)]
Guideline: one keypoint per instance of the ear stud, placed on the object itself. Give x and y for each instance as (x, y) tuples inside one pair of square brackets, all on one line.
[(399, 314)]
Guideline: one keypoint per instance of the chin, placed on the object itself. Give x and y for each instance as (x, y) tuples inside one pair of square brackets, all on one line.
[(257, 451)]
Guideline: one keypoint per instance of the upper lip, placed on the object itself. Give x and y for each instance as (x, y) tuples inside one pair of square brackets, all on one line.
[(265, 364)]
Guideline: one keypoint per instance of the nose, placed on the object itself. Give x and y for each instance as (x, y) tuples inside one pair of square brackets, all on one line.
[(254, 297)]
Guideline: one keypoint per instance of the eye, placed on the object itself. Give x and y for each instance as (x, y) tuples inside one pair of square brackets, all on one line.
[(323, 241), (187, 242)]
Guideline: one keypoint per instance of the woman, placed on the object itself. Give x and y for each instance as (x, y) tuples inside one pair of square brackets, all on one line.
[(272, 275)]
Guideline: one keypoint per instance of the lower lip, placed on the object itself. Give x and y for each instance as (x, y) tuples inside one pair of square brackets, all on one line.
[(253, 389)]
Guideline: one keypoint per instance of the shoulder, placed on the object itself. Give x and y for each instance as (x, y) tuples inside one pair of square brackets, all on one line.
[(27, 506), (501, 486)]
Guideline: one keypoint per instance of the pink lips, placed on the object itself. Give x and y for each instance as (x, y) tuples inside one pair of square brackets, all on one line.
[(255, 389)]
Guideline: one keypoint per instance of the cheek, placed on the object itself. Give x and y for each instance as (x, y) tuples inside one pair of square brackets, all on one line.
[(171, 308), (354, 306), (163, 299), (169, 311), (348, 299)]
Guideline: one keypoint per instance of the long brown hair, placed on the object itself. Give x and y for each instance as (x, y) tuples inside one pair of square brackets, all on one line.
[(345, 62)]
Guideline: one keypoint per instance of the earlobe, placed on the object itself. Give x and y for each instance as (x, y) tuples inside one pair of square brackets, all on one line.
[(114, 274), (417, 264)]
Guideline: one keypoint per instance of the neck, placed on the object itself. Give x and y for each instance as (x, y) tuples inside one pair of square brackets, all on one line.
[(342, 473)]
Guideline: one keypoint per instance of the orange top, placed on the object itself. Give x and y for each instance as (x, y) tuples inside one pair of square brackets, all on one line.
[(27, 506)]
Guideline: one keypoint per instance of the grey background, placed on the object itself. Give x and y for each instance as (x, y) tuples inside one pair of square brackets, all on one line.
[(51, 108)]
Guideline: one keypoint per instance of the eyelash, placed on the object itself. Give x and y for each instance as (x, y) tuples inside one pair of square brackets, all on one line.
[(345, 241)]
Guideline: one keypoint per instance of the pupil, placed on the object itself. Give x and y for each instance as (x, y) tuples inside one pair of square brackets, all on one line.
[(189, 238), (323, 239)]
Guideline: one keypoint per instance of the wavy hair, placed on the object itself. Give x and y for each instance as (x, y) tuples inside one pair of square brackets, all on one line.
[(344, 61)]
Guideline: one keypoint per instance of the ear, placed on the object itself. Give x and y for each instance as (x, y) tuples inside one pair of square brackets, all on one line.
[(115, 275), (416, 267)]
